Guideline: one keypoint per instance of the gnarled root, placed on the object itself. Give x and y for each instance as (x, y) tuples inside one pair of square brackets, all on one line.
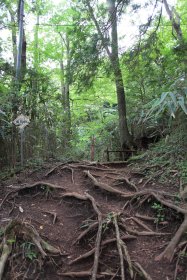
[(170, 249), (16, 228), (103, 186), (6, 250)]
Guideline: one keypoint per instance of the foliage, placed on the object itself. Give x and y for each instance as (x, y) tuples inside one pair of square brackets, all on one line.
[(153, 68), (160, 216), (172, 100), (29, 250)]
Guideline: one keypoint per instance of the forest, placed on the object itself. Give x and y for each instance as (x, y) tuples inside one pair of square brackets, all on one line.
[(93, 139)]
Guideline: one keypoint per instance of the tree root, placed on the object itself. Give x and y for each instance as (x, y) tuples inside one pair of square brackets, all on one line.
[(140, 233), (103, 244), (86, 231), (141, 271), (75, 195), (6, 250), (91, 167), (17, 228), (32, 186), (99, 232), (80, 274), (103, 186), (124, 254), (98, 239), (127, 182), (170, 249), (182, 247), (40, 183), (146, 218), (136, 220), (119, 245), (57, 166)]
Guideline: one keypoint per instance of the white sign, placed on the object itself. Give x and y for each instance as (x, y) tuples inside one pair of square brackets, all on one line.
[(21, 121)]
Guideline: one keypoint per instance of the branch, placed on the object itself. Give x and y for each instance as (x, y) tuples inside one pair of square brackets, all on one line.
[(91, 12)]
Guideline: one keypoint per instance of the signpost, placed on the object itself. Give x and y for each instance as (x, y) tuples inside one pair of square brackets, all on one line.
[(21, 122)]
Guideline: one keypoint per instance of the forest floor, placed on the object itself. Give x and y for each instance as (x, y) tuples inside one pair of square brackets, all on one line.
[(83, 220)]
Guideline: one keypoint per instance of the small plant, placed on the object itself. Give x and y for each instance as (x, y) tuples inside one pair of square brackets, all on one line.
[(29, 250), (107, 221), (160, 216)]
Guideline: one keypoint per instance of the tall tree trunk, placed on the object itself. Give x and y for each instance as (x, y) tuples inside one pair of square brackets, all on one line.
[(13, 87), (21, 54), (14, 37), (36, 65), (175, 21), (65, 87), (125, 137)]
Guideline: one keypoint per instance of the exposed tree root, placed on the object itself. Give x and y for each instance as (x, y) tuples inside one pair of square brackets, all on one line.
[(32, 186), (99, 232), (124, 254), (98, 239), (127, 182), (182, 247), (6, 250), (57, 166), (140, 233), (6, 196), (103, 244), (87, 166), (41, 183), (85, 232), (141, 224), (127, 258), (146, 218), (170, 249), (75, 195), (119, 245), (141, 271), (80, 274), (16, 229), (103, 186)]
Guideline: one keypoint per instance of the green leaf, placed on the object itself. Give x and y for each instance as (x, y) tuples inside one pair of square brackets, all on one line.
[(182, 104), (174, 99), (171, 109)]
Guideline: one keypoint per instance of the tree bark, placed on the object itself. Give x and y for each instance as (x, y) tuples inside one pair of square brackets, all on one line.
[(65, 88), (175, 20), (125, 137)]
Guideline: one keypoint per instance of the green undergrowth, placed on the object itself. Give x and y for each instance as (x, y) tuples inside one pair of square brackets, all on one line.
[(165, 161)]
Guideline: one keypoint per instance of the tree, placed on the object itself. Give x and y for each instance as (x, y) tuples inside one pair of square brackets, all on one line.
[(125, 137)]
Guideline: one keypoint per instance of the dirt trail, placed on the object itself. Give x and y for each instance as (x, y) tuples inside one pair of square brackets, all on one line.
[(102, 221)]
